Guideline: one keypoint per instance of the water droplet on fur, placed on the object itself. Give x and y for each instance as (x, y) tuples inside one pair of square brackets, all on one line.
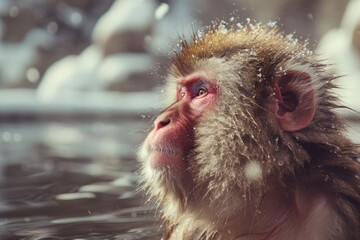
[(327, 178), (253, 171), (271, 24), (277, 144), (239, 25), (222, 29)]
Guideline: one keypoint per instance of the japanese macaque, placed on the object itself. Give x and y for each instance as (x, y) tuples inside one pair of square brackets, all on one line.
[(250, 146)]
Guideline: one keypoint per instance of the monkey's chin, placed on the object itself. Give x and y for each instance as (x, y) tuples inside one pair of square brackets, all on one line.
[(161, 160)]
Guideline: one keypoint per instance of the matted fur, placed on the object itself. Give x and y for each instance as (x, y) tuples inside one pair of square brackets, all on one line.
[(238, 134)]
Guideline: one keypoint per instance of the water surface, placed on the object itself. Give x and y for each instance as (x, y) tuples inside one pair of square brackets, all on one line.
[(72, 179)]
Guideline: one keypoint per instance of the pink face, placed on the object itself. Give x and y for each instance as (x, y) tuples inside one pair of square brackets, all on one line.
[(171, 140)]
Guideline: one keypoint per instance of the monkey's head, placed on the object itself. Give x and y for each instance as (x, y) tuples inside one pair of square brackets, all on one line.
[(242, 103)]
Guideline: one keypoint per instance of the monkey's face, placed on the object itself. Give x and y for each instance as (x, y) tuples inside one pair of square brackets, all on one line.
[(167, 148), (233, 113), (171, 139)]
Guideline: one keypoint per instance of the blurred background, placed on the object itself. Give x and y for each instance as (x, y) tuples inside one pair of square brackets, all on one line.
[(80, 82)]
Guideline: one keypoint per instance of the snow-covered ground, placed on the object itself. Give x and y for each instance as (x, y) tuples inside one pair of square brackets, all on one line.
[(17, 101)]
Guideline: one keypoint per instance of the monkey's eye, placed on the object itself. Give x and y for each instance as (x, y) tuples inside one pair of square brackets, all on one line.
[(193, 89), (201, 91)]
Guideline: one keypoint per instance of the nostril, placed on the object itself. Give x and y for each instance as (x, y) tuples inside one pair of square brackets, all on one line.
[(162, 123), (165, 122)]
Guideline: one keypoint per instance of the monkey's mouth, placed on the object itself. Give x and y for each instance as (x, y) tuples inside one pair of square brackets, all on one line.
[(165, 156)]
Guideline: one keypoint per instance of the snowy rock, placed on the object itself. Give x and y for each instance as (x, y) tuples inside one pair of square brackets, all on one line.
[(338, 47), (17, 58), (70, 75), (125, 26), (91, 72), (34, 34), (127, 72)]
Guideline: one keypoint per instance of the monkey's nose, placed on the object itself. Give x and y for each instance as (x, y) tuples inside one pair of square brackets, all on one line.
[(161, 122)]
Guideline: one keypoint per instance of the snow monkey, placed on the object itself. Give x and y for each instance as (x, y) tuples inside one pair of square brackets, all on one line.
[(250, 145)]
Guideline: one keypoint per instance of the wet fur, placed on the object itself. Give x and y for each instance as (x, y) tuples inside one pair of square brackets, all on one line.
[(239, 130)]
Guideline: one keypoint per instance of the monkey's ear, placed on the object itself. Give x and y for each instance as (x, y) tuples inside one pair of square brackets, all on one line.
[(294, 105)]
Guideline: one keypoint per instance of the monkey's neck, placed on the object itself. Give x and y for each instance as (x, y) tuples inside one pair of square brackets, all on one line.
[(280, 215)]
